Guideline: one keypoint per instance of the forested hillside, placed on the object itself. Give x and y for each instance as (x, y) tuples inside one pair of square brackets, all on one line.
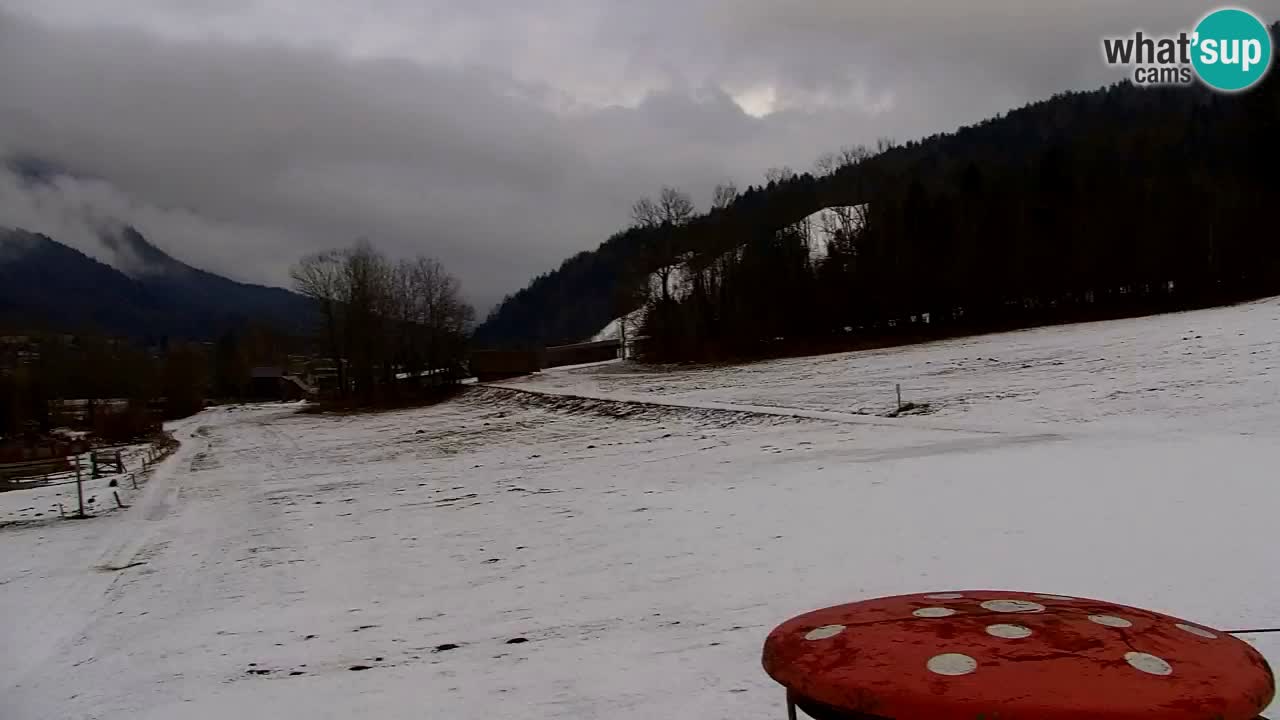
[(1089, 204)]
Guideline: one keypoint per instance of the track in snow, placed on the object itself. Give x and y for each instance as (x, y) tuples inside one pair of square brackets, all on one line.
[(642, 551)]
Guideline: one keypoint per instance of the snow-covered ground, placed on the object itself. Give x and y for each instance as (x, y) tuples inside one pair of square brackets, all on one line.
[(1206, 369), (599, 559), (48, 503)]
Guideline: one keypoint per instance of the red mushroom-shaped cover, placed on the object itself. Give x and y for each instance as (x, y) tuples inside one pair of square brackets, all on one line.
[(1015, 656)]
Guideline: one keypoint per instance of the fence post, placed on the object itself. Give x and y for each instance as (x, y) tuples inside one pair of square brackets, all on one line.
[(899, 397), (79, 489)]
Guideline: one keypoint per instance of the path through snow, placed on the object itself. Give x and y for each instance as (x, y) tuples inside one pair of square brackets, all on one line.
[(515, 555)]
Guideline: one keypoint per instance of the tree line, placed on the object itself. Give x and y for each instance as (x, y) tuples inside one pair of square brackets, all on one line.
[(1094, 204), (392, 332), (395, 332), (1091, 205), (111, 386)]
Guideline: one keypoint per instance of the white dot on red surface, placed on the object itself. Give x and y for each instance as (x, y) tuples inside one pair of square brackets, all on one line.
[(1197, 631), (934, 612), (1149, 663), (1012, 606), (1110, 621), (952, 664), (1009, 632), (944, 596), (822, 633), (1061, 598)]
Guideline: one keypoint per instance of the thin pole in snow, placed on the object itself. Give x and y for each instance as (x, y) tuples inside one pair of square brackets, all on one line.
[(79, 489), (1253, 632), (899, 397)]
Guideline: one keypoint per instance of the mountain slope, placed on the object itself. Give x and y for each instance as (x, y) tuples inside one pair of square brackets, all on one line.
[(45, 285), (211, 299)]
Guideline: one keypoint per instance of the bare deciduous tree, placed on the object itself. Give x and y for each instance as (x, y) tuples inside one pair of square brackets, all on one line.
[(320, 278), (826, 164), (672, 210), (779, 174), (434, 316), (842, 223), (644, 213), (672, 207), (853, 155), (829, 163), (676, 207), (724, 195), (391, 324)]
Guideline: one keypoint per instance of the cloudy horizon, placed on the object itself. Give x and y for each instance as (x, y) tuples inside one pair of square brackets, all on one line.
[(241, 135)]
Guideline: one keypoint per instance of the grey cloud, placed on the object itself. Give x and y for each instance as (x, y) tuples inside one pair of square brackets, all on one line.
[(500, 137)]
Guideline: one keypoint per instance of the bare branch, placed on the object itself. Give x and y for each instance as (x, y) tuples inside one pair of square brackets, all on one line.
[(779, 174), (645, 213), (724, 195), (675, 207)]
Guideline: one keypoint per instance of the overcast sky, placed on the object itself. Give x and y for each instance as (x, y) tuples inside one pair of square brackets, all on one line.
[(500, 136)]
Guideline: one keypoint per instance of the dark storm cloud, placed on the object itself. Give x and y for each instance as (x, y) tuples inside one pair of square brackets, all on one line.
[(500, 137)]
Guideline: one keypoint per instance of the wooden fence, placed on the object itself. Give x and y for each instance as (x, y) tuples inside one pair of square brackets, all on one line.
[(74, 469)]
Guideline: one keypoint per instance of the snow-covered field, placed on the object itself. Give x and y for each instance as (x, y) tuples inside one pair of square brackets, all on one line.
[(514, 554)]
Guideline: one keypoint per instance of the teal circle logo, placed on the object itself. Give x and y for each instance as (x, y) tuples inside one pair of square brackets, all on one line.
[(1232, 49)]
